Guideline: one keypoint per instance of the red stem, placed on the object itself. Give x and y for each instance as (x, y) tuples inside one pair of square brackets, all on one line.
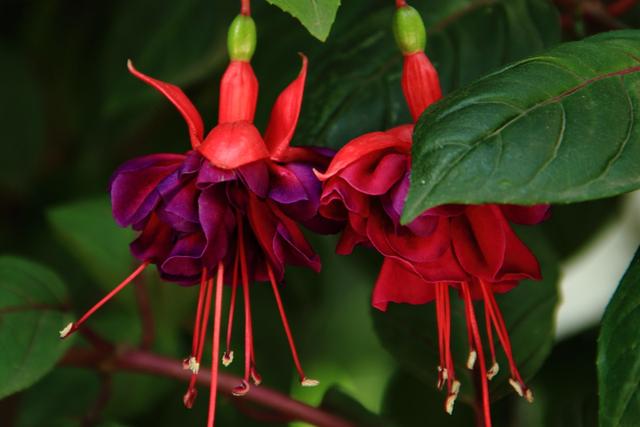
[(146, 362), (245, 7)]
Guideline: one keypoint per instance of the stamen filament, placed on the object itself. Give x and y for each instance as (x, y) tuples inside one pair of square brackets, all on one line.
[(503, 336), (306, 382), (198, 319), (72, 327), (493, 371), (472, 322), (227, 357), (248, 328), (213, 388)]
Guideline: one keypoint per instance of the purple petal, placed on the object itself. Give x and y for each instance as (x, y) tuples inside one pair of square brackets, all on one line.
[(255, 176), (133, 186)]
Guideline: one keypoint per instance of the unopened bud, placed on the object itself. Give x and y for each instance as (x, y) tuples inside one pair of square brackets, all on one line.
[(408, 30), (241, 39)]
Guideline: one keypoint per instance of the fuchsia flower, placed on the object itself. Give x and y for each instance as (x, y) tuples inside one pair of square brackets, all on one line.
[(228, 208), (469, 248)]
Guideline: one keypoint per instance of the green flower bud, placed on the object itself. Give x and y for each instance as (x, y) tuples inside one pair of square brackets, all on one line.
[(408, 30), (241, 39)]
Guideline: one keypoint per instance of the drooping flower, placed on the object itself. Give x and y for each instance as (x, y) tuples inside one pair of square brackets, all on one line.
[(226, 210), (469, 248)]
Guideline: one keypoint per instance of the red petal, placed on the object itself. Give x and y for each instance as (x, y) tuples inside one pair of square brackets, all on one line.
[(231, 145), (397, 284), (284, 115), (238, 93), (361, 146), (420, 83), (180, 100), (526, 214)]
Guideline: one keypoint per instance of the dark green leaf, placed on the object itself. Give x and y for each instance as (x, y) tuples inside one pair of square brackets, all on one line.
[(556, 128), (410, 334), (89, 231), (33, 308), (336, 401), (316, 15), (354, 84), (618, 356)]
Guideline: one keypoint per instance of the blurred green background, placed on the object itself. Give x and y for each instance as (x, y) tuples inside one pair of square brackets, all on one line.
[(71, 113)]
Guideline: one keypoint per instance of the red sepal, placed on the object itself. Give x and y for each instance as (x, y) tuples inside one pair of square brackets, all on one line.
[(231, 145), (180, 100), (420, 83), (238, 93), (284, 115), (398, 284)]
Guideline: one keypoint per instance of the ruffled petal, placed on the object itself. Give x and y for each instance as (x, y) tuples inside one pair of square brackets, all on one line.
[(180, 208), (155, 241), (181, 102), (133, 186), (528, 215), (398, 284), (361, 146), (284, 116), (218, 223), (375, 173), (238, 93), (420, 83), (231, 145), (184, 263)]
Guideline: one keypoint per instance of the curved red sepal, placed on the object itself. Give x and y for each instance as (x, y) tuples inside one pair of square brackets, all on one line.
[(284, 115), (231, 145), (179, 99), (420, 83), (363, 145), (238, 93)]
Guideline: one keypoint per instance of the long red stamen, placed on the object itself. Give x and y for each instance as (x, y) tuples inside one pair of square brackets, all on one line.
[(198, 319), (493, 371), (473, 354), (516, 382), (245, 7), (227, 357), (307, 382), (217, 317), (442, 373), (72, 327), (191, 393), (243, 388), (472, 322)]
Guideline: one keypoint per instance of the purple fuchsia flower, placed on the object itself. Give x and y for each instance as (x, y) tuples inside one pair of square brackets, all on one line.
[(469, 248), (228, 208)]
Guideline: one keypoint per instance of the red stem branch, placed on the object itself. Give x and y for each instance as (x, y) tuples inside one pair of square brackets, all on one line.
[(146, 362)]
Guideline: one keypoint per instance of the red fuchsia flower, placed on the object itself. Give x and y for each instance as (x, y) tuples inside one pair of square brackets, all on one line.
[(226, 210), (469, 248)]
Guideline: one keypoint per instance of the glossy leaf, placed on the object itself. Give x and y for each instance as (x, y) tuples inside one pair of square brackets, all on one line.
[(618, 361), (33, 308), (316, 15), (409, 332), (354, 83), (560, 127)]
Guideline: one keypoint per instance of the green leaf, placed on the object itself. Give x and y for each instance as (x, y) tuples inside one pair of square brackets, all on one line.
[(33, 308), (337, 401), (618, 357), (90, 233), (409, 332), (354, 86), (317, 16), (560, 127)]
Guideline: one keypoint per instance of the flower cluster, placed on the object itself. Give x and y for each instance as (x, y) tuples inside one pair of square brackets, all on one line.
[(469, 248)]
